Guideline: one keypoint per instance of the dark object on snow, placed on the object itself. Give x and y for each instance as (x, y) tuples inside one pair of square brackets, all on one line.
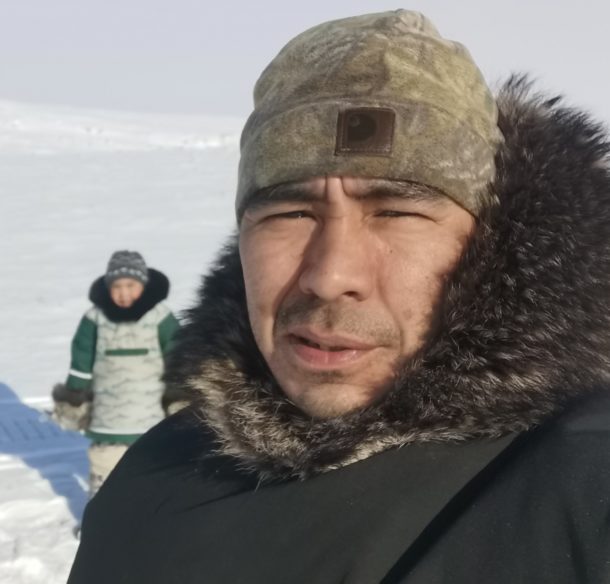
[(71, 408)]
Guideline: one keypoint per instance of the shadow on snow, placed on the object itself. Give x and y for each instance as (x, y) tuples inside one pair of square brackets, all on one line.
[(59, 456)]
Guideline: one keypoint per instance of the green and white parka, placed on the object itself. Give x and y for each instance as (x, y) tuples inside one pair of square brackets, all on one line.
[(118, 359)]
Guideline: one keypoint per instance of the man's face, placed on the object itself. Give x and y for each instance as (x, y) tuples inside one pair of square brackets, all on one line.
[(125, 291), (342, 277)]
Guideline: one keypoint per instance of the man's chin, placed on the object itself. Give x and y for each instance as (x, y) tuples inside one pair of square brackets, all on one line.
[(332, 400)]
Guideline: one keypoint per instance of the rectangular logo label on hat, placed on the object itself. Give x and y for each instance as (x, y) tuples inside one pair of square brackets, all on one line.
[(365, 130)]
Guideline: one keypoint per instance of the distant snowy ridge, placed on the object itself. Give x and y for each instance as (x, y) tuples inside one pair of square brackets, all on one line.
[(41, 129)]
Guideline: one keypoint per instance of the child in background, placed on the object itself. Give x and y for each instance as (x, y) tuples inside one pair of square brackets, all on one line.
[(114, 389)]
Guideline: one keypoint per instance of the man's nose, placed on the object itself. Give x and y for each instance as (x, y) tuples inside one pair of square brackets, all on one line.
[(337, 262)]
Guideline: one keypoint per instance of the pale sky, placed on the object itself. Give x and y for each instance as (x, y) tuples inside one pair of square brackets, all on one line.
[(203, 56)]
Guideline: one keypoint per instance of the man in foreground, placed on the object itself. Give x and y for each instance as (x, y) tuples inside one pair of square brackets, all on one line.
[(399, 369)]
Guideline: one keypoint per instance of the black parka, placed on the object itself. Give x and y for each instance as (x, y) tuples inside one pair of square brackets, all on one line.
[(526, 509)]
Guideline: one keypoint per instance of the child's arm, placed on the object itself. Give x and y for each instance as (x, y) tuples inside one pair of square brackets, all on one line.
[(83, 355), (167, 329), (72, 400), (173, 399)]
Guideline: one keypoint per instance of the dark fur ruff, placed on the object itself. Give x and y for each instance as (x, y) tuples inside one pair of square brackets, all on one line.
[(156, 290), (524, 328)]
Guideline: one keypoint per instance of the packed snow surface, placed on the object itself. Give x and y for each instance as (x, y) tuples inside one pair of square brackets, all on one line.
[(74, 187)]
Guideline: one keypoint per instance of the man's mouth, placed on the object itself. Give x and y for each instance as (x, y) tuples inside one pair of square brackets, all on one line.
[(326, 351), (320, 346)]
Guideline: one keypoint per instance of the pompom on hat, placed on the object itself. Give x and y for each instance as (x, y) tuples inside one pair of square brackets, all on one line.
[(379, 96), (126, 264)]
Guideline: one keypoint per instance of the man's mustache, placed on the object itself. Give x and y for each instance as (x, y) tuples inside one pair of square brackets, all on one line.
[(338, 318)]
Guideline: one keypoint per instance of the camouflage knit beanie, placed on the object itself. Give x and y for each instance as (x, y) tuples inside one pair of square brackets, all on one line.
[(379, 96)]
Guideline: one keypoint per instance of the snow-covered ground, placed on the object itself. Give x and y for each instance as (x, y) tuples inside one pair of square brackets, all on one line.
[(75, 186)]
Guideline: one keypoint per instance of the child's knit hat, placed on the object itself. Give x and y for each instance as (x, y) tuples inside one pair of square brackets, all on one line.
[(126, 264)]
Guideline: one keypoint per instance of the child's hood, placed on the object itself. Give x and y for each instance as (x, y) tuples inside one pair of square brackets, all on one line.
[(156, 290)]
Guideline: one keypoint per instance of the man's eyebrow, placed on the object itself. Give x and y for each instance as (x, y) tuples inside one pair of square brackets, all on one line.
[(282, 193), (375, 189), (400, 189)]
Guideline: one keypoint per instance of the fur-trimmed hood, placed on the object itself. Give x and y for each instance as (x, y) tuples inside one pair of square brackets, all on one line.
[(525, 326), (156, 290)]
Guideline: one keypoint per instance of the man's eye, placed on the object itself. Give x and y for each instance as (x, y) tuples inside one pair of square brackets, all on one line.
[(395, 213), (290, 215)]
